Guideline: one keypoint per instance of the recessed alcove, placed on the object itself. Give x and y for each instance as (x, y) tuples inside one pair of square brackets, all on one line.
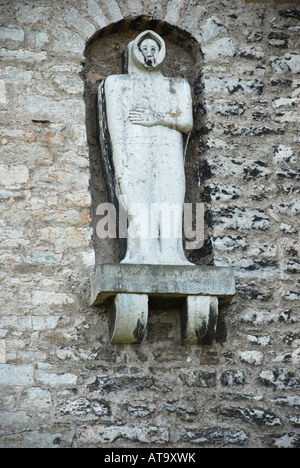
[(104, 57)]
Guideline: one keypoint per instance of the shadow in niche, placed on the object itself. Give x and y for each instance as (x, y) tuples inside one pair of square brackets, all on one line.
[(103, 58)]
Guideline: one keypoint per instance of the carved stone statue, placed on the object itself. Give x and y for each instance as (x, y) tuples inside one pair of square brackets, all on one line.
[(148, 118)]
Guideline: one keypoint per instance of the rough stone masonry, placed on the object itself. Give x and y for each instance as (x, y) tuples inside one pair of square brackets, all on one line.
[(61, 384)]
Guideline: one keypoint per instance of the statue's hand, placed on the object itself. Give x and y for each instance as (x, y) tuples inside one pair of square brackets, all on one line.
[(146, 117)]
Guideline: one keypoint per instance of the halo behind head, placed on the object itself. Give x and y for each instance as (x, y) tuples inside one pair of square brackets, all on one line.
[(133, 57), (149, 35)]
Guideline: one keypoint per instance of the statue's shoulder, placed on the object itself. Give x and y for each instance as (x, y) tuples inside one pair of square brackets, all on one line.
[(112, 79)]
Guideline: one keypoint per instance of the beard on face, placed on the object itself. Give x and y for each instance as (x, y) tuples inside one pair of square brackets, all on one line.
[(150, 62)]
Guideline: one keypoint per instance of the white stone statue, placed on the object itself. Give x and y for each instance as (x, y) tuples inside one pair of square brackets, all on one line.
[(148, 119)]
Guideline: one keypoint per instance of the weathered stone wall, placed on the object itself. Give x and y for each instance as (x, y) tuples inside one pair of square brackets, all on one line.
[(61, 384)]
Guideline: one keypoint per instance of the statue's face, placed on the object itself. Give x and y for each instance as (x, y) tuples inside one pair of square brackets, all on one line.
[(150, 50)]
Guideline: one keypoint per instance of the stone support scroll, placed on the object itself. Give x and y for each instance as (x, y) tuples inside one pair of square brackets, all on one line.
[(199, 319), (128, 317)]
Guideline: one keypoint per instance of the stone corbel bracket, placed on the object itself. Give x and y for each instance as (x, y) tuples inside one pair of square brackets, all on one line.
[(196, 290)]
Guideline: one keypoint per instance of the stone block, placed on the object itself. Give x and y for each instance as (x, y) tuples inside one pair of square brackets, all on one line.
[(88, 258), (252, 52), (17, 419), (76, 21), (16, 75), (112, 8), (25, 153), (130, 7), (173, 11), (169, 286), (55, 380), (22, 55), (68, 43), (84, 407), (128, 318), (219, 437), (114, 384), (241, 392), (254, 358), (255, 416), (214, 192), (65, 238), (71, 217), (236, 86), (260, 340), (240, 219), (235, 168), (2, 352), (212, 28), (55, 139), (266, 317), (100, 434), (41, 39), (232, 378), (82, 199), (199, 320), (284, 154), (279, 40), (291, 401), (289, 63), (51, 298), (13, 175), (36, 398), (44, 323), (97, 14), (2, 92), (16, 375), (194, 15), (219, 49), (12, 134), (279, 379), (31, 14), (77, 237), (70, 84), (10, 258), (229, 243), (222, 108), (290, 209), (200, 379), (12, 34), (72, 158), (15, 322), (42, 108)]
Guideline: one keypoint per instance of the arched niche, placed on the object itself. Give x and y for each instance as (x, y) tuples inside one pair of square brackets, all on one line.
[(104, 57)]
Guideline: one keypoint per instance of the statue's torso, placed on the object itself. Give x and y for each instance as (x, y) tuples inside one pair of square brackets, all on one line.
[(150, 91)]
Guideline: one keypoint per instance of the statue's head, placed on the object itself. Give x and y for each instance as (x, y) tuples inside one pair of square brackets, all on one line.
[(146, 52)]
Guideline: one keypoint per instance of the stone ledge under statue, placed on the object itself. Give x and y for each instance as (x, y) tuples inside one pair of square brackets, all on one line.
[(196, 290)]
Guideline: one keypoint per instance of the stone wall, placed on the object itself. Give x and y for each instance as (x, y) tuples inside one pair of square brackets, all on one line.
[(61, 384)]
